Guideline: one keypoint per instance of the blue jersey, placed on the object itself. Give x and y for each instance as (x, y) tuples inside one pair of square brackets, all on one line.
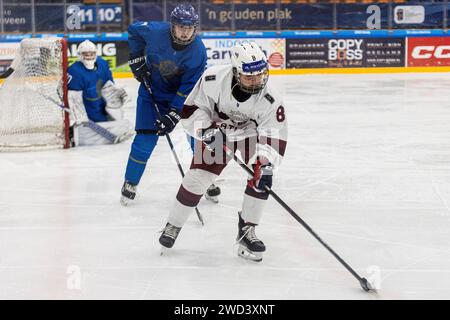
[(174, 73), (91, 83)]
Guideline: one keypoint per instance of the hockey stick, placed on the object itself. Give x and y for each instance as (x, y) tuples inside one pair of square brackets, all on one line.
[(7, 73), (366, 285), (172, 148)]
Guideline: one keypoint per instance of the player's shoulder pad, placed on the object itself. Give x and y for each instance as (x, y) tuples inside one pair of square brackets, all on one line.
[(269, 98)]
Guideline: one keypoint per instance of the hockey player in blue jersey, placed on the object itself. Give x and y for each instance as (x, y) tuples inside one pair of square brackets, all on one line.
[(95, 101), (171, 57)]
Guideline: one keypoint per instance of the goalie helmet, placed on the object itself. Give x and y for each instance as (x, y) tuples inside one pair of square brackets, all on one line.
[(183, 16), (250, 67), (87, 54)]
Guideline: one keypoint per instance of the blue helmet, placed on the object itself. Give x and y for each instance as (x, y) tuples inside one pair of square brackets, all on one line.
[(184, 15)]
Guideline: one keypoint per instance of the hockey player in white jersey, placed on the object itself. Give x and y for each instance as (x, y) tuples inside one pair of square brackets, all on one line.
[(232, 105)]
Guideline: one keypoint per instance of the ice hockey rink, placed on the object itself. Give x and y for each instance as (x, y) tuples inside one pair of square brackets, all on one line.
[(367, 166)]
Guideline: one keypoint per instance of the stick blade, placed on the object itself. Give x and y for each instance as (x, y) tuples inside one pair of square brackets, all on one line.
[(366, 285)]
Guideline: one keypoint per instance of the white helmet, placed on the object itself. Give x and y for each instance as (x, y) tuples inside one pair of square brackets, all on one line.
[(87, 46), (249, 60)]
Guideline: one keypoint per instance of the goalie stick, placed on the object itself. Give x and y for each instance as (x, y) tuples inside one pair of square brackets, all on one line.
[(172, 148)]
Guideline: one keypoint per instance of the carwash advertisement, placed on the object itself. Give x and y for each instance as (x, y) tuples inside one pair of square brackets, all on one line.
[(114, 52), (219, 50), (429, 52)]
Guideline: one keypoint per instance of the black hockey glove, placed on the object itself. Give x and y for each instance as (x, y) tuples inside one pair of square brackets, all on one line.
[(168, 122), (262, 177), (139, 67), (213, 138)]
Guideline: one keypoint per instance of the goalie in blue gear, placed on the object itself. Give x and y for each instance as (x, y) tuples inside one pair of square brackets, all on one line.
[(95, 100), (171, 58)]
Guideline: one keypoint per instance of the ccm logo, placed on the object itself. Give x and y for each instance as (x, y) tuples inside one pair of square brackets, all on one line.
[(426, 52)]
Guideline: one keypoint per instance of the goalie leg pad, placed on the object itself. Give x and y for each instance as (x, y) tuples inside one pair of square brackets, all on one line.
[(91, 133), (96, 133)]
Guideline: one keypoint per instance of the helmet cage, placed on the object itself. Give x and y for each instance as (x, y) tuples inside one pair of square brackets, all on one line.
[(180, 41)]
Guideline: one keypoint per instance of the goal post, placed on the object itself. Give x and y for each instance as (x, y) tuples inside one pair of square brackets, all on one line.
[(33, 98)]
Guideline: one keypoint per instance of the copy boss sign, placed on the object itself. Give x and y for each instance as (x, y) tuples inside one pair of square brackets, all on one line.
[(345, 49)]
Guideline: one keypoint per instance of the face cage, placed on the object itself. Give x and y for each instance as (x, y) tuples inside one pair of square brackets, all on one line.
[(180, 41), (94, 54), (251, 90)]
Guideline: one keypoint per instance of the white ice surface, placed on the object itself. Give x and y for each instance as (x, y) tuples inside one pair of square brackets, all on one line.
[(367, 166)]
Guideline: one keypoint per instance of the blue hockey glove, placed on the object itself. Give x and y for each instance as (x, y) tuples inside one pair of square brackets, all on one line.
[(262, 177), (139, 67), (213, 138), (168, 122)]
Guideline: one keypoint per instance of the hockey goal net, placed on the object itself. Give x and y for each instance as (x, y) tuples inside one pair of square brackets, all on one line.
[(33, 98)]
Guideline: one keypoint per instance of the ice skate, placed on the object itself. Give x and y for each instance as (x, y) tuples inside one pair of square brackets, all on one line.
[(168, 237), (212, 194), (250, 247), (128, 193)]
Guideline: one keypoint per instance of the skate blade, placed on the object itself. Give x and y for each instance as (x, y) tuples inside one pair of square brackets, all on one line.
[(124, 201), (243, 252), (164, 251), (213, 199)]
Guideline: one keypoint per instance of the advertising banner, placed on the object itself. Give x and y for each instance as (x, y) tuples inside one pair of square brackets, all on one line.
[(384, 52), (219, 50), (418, 15), (7, 53), (107, 14), (16, 18), (306, 53), (248, 16), (428, 51), (345, 53), (114, 52)]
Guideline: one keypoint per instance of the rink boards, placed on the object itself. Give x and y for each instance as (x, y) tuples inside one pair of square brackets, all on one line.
[(290, 52)]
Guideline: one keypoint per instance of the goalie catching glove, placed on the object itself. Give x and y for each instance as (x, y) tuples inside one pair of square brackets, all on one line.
[(114, 95), (168, 122)]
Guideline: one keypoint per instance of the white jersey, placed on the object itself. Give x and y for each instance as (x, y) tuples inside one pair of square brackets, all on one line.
[(262, 115)]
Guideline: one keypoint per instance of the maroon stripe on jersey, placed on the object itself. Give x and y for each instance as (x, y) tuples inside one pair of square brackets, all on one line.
[(188, 198), (259, 195), (277, 144), (188, 111), (222, 115)]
